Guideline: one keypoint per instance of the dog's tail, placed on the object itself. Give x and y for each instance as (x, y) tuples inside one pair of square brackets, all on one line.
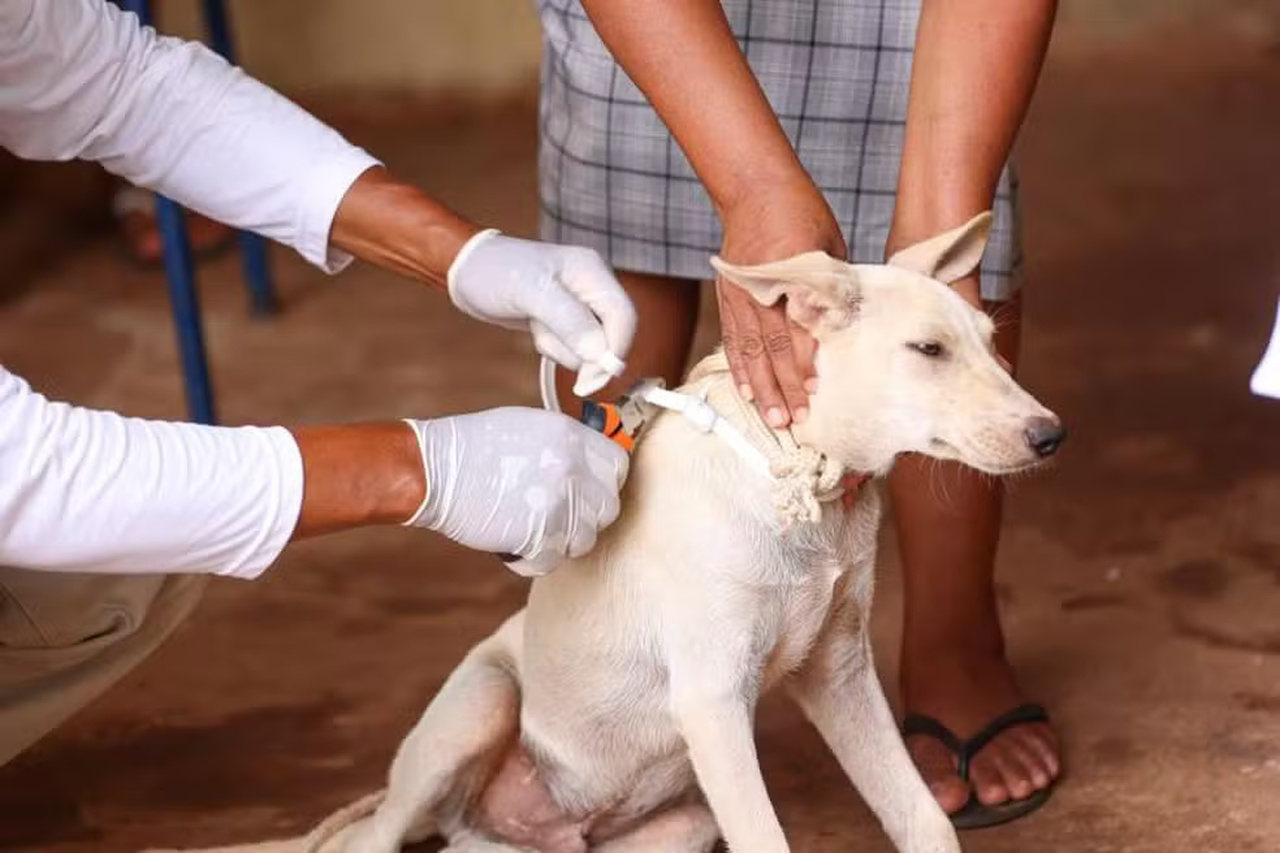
[(328, 836)]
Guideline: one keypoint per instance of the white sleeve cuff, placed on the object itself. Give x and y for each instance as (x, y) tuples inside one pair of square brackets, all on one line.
[(326, 186), (284, 511)]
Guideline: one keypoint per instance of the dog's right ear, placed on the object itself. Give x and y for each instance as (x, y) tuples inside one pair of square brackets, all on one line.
[(951, 256), (822, 291)]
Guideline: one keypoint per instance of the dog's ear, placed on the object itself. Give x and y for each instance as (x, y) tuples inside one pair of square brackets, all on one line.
[(821, 291), (951, 256)]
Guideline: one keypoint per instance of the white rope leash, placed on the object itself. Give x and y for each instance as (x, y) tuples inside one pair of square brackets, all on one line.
[(696, 410), (803, 479), (704, 418)]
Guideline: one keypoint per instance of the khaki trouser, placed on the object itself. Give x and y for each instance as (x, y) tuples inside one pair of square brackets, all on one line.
[(66, 638)]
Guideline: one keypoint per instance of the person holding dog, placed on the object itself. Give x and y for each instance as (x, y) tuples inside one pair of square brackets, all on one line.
[(879, 122), (110, 526)]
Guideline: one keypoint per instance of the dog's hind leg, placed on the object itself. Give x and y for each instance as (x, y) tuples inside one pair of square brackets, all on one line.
[(689, 828), (839, 691), (454, 748)]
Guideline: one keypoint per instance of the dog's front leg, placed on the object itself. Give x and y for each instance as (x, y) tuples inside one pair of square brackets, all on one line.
[(713, 698), (839, 691)]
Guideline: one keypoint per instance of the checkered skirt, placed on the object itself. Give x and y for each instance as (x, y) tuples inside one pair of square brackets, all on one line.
[(836, 72)]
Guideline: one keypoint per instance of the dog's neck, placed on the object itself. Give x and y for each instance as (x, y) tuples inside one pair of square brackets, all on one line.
[(802, 477), (712, 375)]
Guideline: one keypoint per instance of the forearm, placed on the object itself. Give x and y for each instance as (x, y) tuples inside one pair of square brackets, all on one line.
[(92, 491), (358, 475), (975, 68), (89, 83), (683, 56), (400, 228)]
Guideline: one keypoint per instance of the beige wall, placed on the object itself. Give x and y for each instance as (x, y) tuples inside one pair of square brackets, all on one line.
[(1104, 20), (490, 47), (420, 46)]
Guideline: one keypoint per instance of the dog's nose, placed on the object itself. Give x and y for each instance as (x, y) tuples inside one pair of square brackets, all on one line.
[(1045, 436)]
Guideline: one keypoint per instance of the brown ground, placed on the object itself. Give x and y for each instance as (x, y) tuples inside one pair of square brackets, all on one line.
[(1141, 579)]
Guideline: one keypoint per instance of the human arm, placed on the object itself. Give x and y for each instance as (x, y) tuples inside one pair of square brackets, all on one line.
[(83, 80), (87, 490), (684, 58), (975, 69)]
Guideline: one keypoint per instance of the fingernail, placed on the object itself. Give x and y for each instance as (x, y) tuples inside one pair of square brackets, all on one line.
[(745, 392), (801, 415), (811, 384), (775, 417)]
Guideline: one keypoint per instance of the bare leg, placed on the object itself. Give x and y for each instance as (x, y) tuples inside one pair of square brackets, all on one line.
[(668, 317), (953, 657)]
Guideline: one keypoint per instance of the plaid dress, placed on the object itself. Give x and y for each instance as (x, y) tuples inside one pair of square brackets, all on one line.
[(836, 73)]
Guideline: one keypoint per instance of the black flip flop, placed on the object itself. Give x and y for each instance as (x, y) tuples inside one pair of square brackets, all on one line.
[(975, 815)]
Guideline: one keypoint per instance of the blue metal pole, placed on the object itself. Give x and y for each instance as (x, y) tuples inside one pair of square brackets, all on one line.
[(253, 249), (180, 278), (185, 303)]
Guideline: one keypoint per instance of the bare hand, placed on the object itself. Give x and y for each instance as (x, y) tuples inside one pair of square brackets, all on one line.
[(770, 357)]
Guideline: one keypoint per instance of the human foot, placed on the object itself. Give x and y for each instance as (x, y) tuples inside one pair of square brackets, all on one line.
[(965, 692)]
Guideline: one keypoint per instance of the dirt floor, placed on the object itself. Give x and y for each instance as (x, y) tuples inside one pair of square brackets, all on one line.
[(1140, 579)]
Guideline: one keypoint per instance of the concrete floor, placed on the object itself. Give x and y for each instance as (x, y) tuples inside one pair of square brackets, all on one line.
[(1140, 579)]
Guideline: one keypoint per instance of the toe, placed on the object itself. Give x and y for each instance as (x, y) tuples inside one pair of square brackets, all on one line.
[(988, 781), (1017, 765), (938, 769), (1041, 741), (1037, 756), (1016, 774)]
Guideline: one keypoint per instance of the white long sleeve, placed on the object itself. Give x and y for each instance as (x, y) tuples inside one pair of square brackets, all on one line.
[(81, 79), (83, 490)]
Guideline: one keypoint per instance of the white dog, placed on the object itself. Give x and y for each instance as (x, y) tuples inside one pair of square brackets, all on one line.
[(614, 713)]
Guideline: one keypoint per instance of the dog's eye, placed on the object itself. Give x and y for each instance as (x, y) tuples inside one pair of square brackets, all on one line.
[(932, 349)]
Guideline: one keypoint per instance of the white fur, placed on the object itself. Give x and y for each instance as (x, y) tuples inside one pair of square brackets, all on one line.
[(632, 675)]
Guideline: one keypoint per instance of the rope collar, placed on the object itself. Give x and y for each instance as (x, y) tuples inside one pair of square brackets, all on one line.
[(802, 478)]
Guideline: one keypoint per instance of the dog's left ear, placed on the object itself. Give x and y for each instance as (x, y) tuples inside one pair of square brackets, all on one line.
[(821, 291), (951, 256)]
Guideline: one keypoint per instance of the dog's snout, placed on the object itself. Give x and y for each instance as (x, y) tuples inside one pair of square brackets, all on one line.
[(1045, 436)]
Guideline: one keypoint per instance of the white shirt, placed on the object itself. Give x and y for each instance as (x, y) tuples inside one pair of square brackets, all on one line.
[(1265, 381), (82, 490)]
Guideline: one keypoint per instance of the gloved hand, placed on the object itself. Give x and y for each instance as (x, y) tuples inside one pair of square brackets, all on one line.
[(519, 481), (565, 296)]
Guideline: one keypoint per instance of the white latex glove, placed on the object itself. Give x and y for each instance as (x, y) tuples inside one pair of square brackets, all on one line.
[(519, 481), (565, 296)]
